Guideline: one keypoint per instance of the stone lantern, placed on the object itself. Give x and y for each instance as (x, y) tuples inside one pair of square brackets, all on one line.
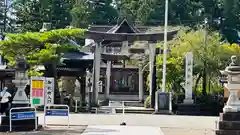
[(21, 79), (233, 85)]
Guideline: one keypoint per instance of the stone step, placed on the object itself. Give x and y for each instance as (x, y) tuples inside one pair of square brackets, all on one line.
[(227, 132), (136, 111), (231, 116), (229, 125)]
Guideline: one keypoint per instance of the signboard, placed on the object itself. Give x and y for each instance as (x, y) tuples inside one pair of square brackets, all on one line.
[(49, 91), (37, 94), (56, 112), (17, 114), (163, 101), (188, 75), (23, 115)]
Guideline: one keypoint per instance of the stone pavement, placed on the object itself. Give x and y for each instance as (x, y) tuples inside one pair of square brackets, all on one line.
[(169, 124), (52, 131), (122, 130), (163, 121)]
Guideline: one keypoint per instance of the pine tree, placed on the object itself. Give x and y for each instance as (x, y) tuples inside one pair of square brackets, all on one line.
[(31, 14), (103, 12), (61, 16)]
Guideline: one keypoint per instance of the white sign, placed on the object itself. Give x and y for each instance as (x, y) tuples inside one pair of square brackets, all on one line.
[(188, 74), (49, 91)]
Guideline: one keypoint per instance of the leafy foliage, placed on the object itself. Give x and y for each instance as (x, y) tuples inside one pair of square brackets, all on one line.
[(39, 48), (215, 55)]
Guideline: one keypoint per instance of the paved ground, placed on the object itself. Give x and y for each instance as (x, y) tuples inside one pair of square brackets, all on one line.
[(170, 124), (187, 131), (53, 131), (165, 121), (122, 130)]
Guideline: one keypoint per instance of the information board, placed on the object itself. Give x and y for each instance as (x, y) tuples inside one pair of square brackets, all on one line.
[(56, 112), (37, 94), (23, 115), (50, 110), (49, 91), (163, 101), (17, 113)]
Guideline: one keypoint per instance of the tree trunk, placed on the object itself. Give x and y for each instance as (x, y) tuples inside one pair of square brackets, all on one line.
[(197, 81), (56, 89), (204, 82)]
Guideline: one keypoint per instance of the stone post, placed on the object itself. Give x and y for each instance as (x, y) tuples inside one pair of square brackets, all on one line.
[(233, 74), (188, 78), (141, 91), (108, 74)]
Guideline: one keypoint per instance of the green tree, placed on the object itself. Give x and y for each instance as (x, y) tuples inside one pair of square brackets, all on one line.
[(32, 13), (215, 55), (43, 48), (39, 48), (80, 14), (103, 12)]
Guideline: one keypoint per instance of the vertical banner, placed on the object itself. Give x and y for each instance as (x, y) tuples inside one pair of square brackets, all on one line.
[(37, 93), (49, 91), (189, 75)]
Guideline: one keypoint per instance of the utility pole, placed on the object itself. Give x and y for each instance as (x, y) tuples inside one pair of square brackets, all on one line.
[(165, 48), (204, 83)]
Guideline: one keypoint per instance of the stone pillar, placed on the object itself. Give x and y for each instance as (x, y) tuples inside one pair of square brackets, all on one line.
[(108, 79), (188, 78), (141, 91), (89, 88), (97, 66)]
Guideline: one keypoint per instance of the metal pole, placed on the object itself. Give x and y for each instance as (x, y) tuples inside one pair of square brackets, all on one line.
[(165, 48)]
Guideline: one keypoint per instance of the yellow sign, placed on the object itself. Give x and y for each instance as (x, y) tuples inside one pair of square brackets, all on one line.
[(37, 84)]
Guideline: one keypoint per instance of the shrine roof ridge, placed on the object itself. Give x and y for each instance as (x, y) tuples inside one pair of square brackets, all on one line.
[(97, 35)]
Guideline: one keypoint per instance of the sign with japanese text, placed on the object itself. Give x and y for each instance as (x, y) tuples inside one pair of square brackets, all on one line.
[(188, 74), (23, 115), (49, 91), (37, 93), (56, 112)]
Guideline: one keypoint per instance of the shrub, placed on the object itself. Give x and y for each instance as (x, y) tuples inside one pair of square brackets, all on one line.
[(147, 101)]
